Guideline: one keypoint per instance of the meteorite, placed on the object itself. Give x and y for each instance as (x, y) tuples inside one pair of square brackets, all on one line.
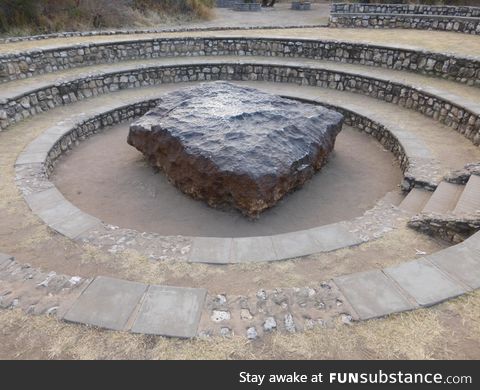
[(230, 145)]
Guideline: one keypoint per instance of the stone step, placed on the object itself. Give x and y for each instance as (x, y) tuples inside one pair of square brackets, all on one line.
[(446, 90), (416, 200), (427, 40), (469, 202), (444, 199), (158, 310)]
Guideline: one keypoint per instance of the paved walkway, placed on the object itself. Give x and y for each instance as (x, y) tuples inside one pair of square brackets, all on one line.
[(434, 41), (186, 313), (456, 92)]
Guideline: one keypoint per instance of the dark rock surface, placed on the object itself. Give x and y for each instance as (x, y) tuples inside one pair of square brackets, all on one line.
[(231, 145)]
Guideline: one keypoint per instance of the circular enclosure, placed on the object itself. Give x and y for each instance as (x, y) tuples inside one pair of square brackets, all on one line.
[(107, 178)]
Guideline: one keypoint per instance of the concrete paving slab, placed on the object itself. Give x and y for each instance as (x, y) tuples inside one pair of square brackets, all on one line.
[(296, 244), (31, 158), (444, 198), (415, 200), (211, 250), (425, 283), (250, 249), (170, 311), (469, 202), (334, 236), (372, 294), (63, 211), (44, 200), (47, 138), (76, 224), (473, 242), (461, 262), (5, 260), (107, 303)]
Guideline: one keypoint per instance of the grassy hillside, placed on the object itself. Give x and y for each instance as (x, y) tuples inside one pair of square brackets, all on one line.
[(43, 16)]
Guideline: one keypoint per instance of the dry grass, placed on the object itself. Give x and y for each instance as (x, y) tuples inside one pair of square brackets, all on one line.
[(421, 334), (27, 17)]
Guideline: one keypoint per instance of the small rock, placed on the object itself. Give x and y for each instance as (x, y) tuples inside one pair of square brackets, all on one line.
[(280, 298), (221, 299), (262, 295), (309, 324), (325, 285), (270, 324), (74, 280), (321, 305), (252, 333), (346, 319), (52, 311), (220, 315), (48, 279), (289, 323), (225, 332), (245, 314), (204, 334)]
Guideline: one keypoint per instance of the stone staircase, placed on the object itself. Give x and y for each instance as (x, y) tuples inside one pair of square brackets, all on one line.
[(448, 198)]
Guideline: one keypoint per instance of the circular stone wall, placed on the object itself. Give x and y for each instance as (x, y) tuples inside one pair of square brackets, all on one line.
[(111, 180)]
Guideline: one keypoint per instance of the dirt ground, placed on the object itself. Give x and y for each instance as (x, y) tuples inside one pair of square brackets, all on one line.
[(107, 178), (447, 331)]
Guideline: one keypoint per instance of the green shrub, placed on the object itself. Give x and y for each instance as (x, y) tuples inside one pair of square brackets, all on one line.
[(18, 13)]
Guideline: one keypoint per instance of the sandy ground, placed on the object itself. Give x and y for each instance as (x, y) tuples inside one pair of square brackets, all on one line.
[(108, 178)]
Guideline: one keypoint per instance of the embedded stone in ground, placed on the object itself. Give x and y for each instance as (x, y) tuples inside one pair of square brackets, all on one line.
[(236, 146), (107, 303), (170, 311)]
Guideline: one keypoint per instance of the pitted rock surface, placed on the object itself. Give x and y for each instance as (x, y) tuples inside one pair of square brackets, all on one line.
[(236, 146)]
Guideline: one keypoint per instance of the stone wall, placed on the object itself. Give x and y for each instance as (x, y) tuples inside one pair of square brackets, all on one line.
[(36, 62), (450, 228), (98, 123), (224, 3), (420, 22), (94, 33), (462, 176), (94, 125), (412, 9), (449, 113), (383, 135)]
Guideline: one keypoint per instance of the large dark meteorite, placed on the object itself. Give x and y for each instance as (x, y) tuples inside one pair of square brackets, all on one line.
[(231, 145)]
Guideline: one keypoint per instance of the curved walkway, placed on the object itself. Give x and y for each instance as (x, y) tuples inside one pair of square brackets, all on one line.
[(432, 41), (422, 144)]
